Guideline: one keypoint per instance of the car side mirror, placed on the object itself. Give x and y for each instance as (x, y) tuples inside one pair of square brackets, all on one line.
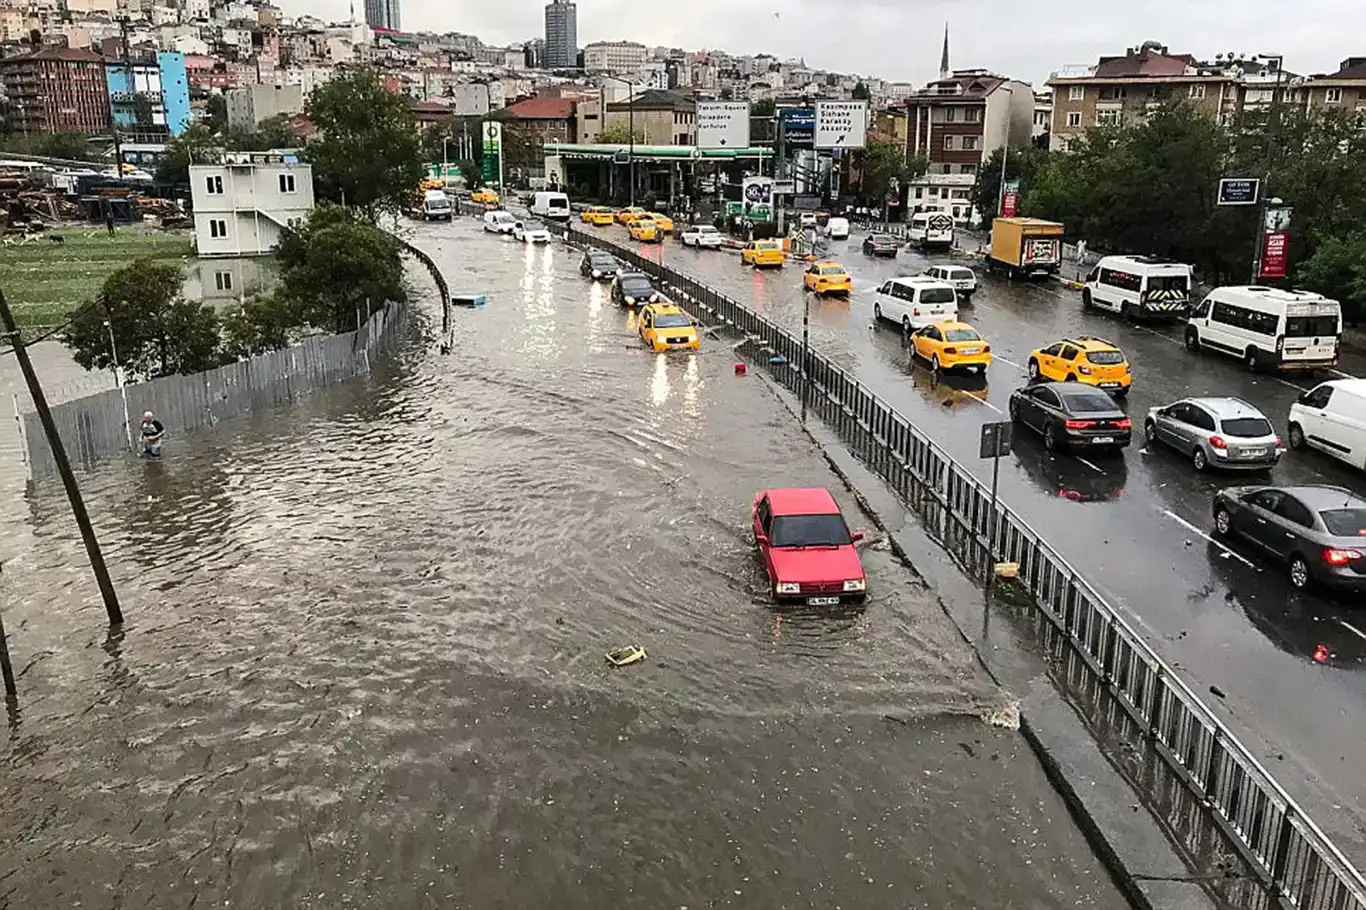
[(761, 538), (856, 536)]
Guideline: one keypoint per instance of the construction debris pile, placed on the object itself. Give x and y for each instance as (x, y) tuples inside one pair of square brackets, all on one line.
[(34, 198)]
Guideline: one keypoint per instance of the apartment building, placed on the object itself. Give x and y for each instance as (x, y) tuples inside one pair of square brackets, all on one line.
[(1122, 89), (242, 206), (56, 90), (149, 95), (561, 34), (1343, 90), (249, 106), (660, 116), (614, 56)]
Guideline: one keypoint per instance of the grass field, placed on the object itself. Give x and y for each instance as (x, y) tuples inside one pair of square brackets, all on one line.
[(44, 281)]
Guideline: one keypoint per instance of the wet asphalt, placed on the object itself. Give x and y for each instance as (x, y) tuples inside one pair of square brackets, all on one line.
[(363, 663), (1286, 671)]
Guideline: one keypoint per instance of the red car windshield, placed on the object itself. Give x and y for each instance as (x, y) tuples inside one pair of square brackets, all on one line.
[(809, 531)]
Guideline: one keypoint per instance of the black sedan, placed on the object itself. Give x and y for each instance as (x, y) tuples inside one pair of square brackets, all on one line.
[(598, 265), (633, 289), (1317, 532), (1071, 415), (881, 245)]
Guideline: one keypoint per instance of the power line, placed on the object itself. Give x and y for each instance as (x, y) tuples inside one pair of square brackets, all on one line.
[(53, 331)]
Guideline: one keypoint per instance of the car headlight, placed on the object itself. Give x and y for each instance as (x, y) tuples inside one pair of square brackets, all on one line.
[(855, 584), (789, 587), (630, 300), (597, 273)]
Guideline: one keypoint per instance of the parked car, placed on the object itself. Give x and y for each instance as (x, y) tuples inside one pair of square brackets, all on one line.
[(1216, 432), (1331, 417), (837, 228), (1085, 359), (881, 245), (598, 265), (807, 548), (1317, 532), (963, 279), (633, 289), (530, 231), (703, 236), (1070, 415), (499, 222)]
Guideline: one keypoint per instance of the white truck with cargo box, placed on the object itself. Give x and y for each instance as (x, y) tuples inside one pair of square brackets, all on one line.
[(1268, 328)]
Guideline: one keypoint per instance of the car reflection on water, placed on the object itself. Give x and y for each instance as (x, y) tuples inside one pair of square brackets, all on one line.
[(1098, 479), (952, 392)]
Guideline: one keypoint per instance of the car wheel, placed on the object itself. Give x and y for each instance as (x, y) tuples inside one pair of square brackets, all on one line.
[(1198, 459), (906, 325), (1299, 573), (1071, 377), (1129, 313), (1223, 522), (1086, 300), (877, 311), (1251, 360), (1121, 393), (1150, 431), (1014, 410), (1033, 369), (935, 364), (1050, 439), (1296, 436)]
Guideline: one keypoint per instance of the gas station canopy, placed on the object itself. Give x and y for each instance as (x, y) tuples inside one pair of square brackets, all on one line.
[(621, 152)]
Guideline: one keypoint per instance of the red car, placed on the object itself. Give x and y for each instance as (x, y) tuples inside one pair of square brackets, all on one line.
[(807, 548)]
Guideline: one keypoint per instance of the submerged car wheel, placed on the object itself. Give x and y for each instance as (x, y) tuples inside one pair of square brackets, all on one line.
[(877, 311), (1050, 439), (1296, 436), (1150, 431), (1033, 369)]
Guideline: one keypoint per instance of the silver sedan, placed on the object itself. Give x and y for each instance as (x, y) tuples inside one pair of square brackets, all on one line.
[(1216, 433)]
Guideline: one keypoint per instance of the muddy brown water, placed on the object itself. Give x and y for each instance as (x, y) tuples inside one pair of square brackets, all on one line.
[(364, 659)]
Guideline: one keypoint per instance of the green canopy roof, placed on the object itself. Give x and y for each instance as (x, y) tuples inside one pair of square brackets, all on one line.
[(654, 151)]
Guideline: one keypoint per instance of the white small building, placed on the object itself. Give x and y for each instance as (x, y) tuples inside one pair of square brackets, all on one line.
[(241, 207)]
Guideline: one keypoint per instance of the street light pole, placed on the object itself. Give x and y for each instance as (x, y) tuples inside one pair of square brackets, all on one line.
[(631, 130), (445, 160), (123, 387), (1005, 156)]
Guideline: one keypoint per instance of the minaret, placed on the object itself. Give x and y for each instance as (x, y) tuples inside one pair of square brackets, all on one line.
[(944, 59)]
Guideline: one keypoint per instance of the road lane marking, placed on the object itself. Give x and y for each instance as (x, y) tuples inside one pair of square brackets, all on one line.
[(1011, 362), (1194, 530), (1090, 465), (1351, 628), (1341, 375)]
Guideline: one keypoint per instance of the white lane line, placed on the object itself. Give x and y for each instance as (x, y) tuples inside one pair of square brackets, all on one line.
[(985, 402), (1351, 628), (1017, 366), (1341, 375), (1194, 530), (1165, 337), (1090, 465)]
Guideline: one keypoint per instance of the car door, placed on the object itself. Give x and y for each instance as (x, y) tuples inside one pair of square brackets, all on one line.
[(1198, 427), (763, 530), (1046, 407), (1048, 359), (887, 303), (1292, 522), (925, 340), (1256, 520), (1172, 423), (809, 277), (647, 321), (1312, 421), (1065, 362)]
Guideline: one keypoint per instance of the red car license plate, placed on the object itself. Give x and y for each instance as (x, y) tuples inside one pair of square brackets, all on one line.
[(822, 601)]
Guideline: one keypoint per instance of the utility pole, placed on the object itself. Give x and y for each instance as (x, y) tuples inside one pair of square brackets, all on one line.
[(1264, 194), (114, 120), (73, 491), (1005, 156)]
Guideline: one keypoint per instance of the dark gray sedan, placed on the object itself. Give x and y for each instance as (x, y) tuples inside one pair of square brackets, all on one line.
[(881, 245), (1317, 532), (1070, 415)]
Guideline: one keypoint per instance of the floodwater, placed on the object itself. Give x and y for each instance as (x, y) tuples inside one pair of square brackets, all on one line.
[(363, 659)]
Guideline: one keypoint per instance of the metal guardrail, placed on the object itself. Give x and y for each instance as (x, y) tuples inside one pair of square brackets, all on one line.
[(1215, 798)]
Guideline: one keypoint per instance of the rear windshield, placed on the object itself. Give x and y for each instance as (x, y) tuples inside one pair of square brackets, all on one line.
[(1105, 358), (1311, 326), (767, 245), (809, 531), (557, 203), (1168, 283), (1246, 427), (832, 270), (532, 226), (938, 295), (1088, 402), (1345, 522), (672, 321), (961, 274), (961, 335), (882, 238)]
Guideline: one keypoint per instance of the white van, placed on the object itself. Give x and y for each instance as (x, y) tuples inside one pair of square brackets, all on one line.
[(1268, 328), (916, 302), (837, 228), (499, 222), (1331, 417), (554, 206), (931, 229), (1140, 287), (436, 205)]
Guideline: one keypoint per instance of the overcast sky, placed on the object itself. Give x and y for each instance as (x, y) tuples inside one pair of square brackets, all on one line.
[(900, 39)]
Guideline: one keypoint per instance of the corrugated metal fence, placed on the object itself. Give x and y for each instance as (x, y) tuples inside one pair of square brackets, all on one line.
[(96, 426)]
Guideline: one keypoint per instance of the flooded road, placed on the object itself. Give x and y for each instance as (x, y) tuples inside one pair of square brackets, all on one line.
[(363, 664)]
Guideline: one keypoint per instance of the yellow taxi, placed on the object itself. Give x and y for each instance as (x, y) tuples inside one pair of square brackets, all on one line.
[(664, 223), (763, 253), (629, 214), (828, 277), (597, 215), (952, 345), (644, 229), (664, 327), (1086, 359), (484, 197)]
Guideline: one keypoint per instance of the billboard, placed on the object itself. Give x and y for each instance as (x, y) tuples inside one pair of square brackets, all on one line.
[(756, 198), (798, 126), (1239, 190), (469, 100), (722, 124), (841, 124), (1275, 255)]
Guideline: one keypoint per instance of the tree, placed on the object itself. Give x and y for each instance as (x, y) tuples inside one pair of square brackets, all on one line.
[(860, 92), (761, 120), (272, 133), (620, 134), (368, 153), (157, 332), (880, 163), (259, 324), (337, 267), (216, 113), (197, 145), (69, 146), (1022, 165), (1338, 270), (143, 109)]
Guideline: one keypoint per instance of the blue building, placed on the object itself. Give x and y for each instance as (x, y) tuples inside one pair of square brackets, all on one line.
[(159, 91)]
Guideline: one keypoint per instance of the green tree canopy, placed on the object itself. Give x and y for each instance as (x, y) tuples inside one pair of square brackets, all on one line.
[(620, 134), (860, 92), (272, 133), (155, 331), (197, 145), (1023, 165), (882, 162), (71, 146), (337, 267), (368, 153)]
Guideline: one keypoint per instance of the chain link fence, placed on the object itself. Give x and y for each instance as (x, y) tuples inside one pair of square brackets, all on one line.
[(1255, 847), (105, 423)]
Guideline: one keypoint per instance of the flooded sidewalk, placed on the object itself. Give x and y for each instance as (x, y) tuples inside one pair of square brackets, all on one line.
[(364, 659)]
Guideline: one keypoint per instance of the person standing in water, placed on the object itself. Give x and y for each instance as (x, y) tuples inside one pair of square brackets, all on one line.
[(152, 432)]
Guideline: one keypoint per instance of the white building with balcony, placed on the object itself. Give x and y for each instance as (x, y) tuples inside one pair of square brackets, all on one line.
[(614, 56), (242, 206)]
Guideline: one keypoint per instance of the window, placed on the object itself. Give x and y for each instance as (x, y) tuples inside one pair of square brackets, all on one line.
[(948, 143), (1197, 92), (950, 114), (1243, 318), (1266, 499), (218, 228), (1068, 353), (969, 169), (809, 531), (1048, 397), (1199, 417), (1318, 398), (972, 115), (1118, 93), (1122, 280), (1346, 522), (1074, 118), (1107, 117), (222, 280), (1311, 326), (286, 183), (1295, 512), (1332, 96), (1076, 93), (1246, 427), (214, 185), (969, 143)]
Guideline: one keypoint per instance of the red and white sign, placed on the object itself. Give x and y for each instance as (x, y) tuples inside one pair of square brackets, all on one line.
[(1275, 255), (1008, 204)]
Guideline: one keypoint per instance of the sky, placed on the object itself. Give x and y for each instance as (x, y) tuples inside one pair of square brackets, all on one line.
[(900, 40)]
